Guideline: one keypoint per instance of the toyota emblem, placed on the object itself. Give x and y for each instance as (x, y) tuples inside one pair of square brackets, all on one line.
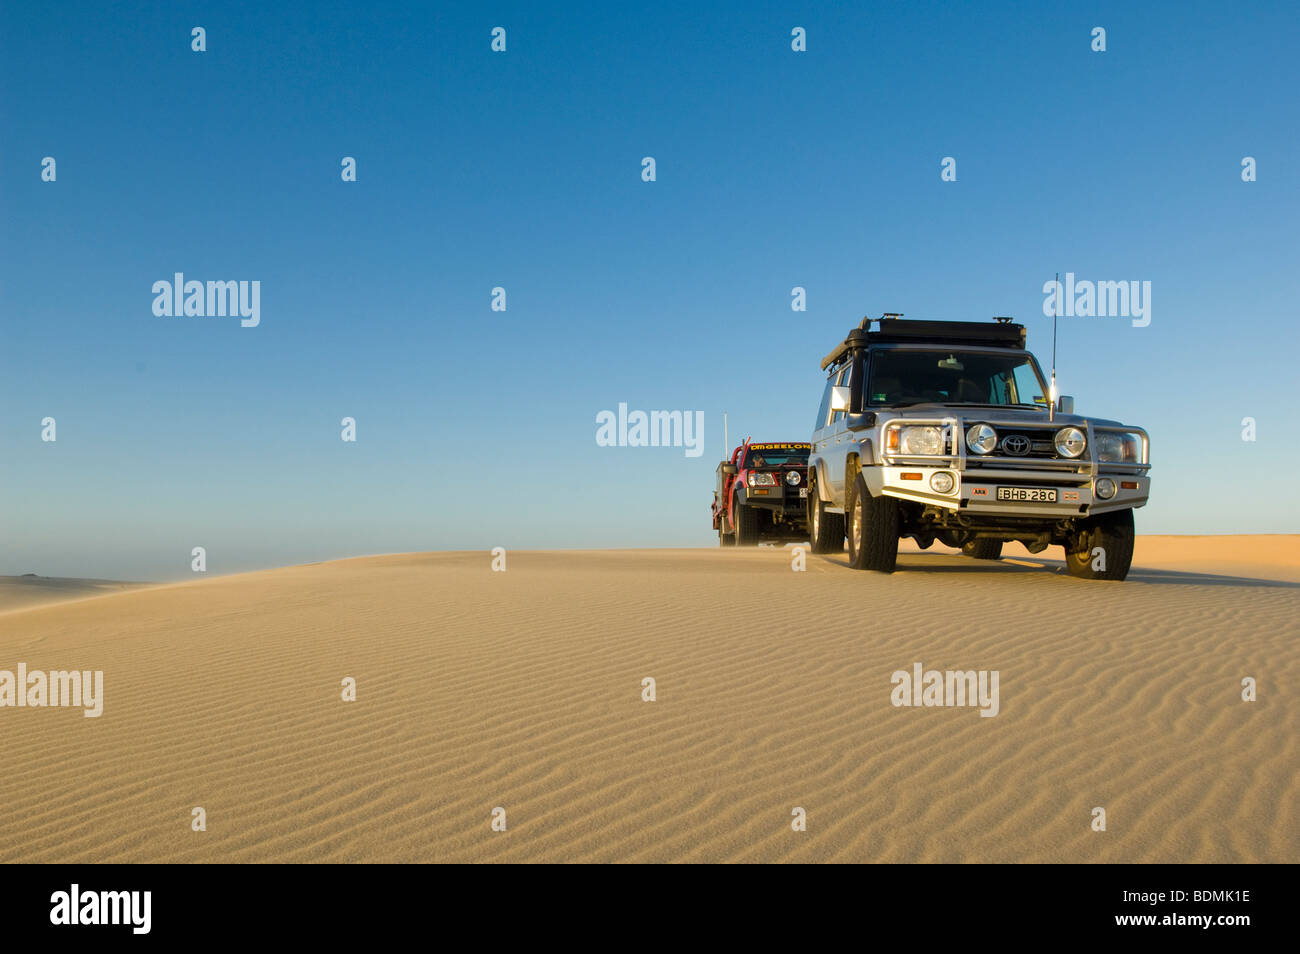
[(1017, 445)]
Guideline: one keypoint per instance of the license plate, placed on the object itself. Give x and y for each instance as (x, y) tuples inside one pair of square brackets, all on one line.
[(803, 491), (1028, 494)]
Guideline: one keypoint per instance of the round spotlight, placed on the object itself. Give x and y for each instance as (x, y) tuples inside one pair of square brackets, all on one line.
[(792, 477), (942, 482), (981, 439), (1105, 488), (1070, 442)]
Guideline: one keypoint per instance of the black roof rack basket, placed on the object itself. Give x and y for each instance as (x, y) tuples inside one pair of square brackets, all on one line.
[(999, 334)]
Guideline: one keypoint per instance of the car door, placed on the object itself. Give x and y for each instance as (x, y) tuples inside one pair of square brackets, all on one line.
[(836, 443), (818, 439)]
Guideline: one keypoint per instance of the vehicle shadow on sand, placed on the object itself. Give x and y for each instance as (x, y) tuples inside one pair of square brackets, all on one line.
[(1145, 575), (945, 563)]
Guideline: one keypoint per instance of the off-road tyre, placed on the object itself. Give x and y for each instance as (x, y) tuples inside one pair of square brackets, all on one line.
[(872, 529), (825, 530), (746, 519), (1113, 534)]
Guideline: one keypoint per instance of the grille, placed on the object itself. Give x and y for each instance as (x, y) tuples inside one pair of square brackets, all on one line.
[(1025, 443)]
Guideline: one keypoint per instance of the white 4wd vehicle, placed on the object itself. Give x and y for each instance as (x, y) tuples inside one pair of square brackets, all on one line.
[(942, 430)]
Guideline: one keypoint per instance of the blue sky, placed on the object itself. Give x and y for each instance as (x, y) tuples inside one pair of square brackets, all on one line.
[(523, 170)]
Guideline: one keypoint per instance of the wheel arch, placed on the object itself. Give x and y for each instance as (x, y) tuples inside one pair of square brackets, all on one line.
[(852, 467), (817, 475)]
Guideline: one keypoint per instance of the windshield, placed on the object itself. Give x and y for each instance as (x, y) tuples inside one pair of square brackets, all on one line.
[(776, 457), (945, 376)]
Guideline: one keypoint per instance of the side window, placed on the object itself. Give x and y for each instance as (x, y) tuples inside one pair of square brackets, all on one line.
[(1028, 390), (826, 405), (842, 378)]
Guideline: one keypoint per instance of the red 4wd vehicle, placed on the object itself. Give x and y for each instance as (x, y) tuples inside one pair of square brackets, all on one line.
[(762, 494)]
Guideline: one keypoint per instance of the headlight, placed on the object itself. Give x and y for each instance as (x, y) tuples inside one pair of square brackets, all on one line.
[(1070, 442), (981, 439), (762, 480), (920, 441), (1105, 488), (941, 482), (1113, 448), (792, 477)]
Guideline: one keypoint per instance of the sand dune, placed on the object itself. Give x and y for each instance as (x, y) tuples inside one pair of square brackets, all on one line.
[(23, 592), (523, 690)]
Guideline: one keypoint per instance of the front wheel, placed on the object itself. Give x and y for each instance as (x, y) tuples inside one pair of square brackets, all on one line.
[(825, 530), (1102, 549), (746, 520), (873, 529)]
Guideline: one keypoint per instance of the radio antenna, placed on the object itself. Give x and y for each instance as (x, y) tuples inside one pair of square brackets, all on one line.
[(1056, 307)]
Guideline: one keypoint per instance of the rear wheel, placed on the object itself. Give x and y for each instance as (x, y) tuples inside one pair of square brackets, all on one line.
[(1103, 547), (873, 529), (825, 530), (983, 549), (746, 519), (724, 538)]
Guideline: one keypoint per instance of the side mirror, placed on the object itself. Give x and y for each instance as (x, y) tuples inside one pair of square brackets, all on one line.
[(839, 398), (728, 469), (1065, 404), (860, 422)]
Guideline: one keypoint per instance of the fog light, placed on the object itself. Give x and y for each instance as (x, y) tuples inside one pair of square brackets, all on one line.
[(1105, 488), (941, 482)]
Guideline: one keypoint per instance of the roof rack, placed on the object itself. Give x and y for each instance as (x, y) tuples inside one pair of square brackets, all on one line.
[(892, 329)]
